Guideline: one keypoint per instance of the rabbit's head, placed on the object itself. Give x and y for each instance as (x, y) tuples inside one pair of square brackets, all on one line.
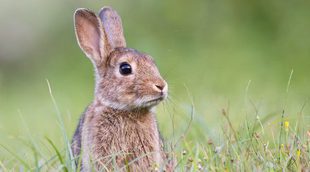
[(125, 78)]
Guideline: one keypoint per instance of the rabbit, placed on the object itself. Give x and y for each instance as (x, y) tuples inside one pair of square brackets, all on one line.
[(118, 130)]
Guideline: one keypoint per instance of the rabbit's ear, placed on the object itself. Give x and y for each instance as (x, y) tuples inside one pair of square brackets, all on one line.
[(89, 33), (112, 26)]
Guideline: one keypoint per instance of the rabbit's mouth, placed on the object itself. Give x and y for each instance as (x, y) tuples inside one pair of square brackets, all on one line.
[(153, 102)]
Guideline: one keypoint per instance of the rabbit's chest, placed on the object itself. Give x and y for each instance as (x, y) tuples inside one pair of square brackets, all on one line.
[(131, 139), (131, 136)]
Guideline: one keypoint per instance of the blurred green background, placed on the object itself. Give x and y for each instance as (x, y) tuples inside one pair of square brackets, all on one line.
[(214, 54)]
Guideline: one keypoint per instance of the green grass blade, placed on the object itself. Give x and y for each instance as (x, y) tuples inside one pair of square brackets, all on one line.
[(57, 153)]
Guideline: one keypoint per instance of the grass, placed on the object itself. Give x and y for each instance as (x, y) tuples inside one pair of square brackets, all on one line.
[(254, 146), (261, 142)]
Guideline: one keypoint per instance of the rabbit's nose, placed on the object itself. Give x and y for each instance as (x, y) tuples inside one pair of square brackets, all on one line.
[(160, 87)]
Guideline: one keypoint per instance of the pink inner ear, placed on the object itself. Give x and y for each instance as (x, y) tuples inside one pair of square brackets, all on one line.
[(91, 40)]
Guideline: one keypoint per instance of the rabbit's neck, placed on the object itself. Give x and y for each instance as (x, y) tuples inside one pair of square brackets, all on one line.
[(135, 114)]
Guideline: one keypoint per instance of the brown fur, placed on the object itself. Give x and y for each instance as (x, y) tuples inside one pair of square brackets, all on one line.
[(118, 131), (131, 135)]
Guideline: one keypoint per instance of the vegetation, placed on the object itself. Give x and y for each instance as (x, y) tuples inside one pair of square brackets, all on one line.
[(257, 144)]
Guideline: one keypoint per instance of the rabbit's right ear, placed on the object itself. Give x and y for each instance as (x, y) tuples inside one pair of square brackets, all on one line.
[(112, 26), (89, 34)]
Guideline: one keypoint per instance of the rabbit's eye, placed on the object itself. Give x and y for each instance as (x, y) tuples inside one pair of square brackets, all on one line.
[(125, 68)]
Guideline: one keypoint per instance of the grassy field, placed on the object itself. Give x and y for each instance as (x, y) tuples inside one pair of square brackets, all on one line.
[(238, 75), (257, 142)]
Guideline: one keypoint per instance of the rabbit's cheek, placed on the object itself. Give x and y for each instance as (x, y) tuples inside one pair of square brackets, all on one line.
[(127, 98)]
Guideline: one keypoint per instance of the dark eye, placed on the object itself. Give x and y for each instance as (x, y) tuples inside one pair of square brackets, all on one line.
[(125, 68)]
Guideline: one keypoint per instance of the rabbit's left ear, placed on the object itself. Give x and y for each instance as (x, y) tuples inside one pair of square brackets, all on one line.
[(90, 35), (112, 27)]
